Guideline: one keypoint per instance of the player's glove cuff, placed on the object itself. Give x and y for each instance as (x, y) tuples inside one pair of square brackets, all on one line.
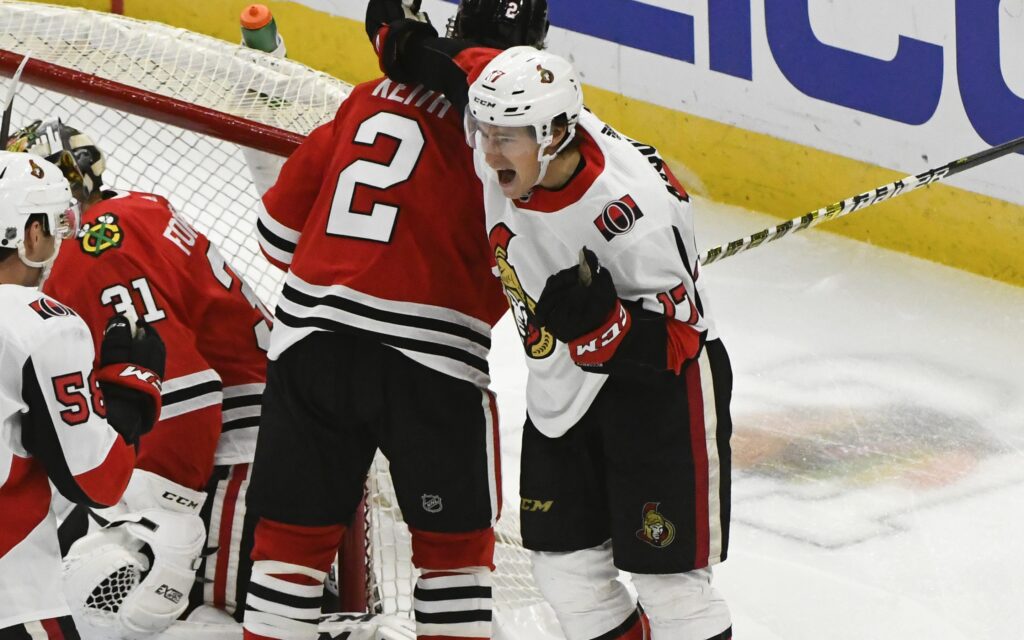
[(131, 394), (650, 343), (597, 347)]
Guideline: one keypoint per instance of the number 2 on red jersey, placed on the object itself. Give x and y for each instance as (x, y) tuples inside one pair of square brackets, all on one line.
[(379, 224)]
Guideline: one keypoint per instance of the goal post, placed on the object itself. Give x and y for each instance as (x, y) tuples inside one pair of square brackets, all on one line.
[(147, 104), (173, 111)]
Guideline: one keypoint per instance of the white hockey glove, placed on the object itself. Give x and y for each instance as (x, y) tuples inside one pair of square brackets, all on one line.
[(142, 564)]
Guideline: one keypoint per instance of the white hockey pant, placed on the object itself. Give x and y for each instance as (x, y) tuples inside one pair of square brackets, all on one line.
[(589, 601)]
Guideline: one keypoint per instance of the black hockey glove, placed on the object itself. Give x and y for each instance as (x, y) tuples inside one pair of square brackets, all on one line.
[(383, 12), (580, 307), (130, 375), (389, 24), (577, 300)]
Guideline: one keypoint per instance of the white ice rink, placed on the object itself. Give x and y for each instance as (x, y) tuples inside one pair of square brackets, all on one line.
[(879, 440)]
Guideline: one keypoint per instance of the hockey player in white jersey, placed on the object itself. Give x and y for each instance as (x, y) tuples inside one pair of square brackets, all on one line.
[(61, 421), (625, 459), (627, 376)]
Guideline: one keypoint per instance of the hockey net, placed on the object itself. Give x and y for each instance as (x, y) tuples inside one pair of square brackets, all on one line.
[(173, 110)]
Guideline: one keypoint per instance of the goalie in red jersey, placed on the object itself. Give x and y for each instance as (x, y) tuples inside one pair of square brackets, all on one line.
[(136, 256)]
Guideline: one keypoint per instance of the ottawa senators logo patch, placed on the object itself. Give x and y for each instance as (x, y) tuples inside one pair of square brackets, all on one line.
[(536, 339), (657, 530), (618, 217), (36, 171), (101, 236), (47, 308)]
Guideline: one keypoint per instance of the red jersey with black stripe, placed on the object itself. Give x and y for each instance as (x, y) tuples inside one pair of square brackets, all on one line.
[(378, 218), (135, 251)]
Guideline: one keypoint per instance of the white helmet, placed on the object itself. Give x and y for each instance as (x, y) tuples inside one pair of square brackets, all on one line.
[(524, 86), (31, 185)]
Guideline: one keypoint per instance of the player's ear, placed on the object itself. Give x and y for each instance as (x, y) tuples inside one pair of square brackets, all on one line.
[(558, 133), (34, 233)]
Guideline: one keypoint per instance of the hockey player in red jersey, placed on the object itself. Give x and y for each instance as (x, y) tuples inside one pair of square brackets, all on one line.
[(135, 254), (373, 350), (63, 421), (593, 237)]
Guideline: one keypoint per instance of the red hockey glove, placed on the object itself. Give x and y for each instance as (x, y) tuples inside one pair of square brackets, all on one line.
[(130, 375)]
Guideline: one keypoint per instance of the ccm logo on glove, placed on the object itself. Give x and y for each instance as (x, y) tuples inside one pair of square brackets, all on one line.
[(598, 346)]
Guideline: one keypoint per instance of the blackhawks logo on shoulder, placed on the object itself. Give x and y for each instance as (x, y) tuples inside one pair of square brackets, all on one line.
[(657, 530), (101, 236)]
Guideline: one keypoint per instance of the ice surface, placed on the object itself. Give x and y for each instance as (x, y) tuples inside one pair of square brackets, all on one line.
[(879, 423)]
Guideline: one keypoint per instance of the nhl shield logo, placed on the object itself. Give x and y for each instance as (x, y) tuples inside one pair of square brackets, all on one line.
[(432, 503)]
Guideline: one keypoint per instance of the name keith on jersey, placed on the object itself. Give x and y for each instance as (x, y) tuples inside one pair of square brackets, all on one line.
[(397, 92)]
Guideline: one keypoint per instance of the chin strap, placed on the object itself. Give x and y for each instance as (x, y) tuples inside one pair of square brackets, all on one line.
[(45, 265), (546, 158)]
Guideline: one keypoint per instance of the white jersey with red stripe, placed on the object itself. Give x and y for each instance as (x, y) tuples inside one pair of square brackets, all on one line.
[(52, 428), (624, 205)]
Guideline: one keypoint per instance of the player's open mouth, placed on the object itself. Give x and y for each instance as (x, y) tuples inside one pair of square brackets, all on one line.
[(506, 177)]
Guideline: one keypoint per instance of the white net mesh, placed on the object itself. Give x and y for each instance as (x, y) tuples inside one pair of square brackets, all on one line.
[(208, 181), (392, 588)]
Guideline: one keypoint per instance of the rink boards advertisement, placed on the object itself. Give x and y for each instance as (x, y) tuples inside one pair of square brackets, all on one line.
[(781, 106)]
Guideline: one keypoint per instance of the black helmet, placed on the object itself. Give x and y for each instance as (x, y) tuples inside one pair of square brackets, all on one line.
[(501, 23), (74, 152)]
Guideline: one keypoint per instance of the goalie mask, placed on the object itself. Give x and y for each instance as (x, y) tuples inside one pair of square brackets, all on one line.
[(73, 151), (501, 23)]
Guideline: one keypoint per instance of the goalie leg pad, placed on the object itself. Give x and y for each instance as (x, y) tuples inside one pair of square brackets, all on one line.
[(582, 588), (684, 605)]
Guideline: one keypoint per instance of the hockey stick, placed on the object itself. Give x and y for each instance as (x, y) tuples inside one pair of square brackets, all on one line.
[(858, 202), (5, 125)]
